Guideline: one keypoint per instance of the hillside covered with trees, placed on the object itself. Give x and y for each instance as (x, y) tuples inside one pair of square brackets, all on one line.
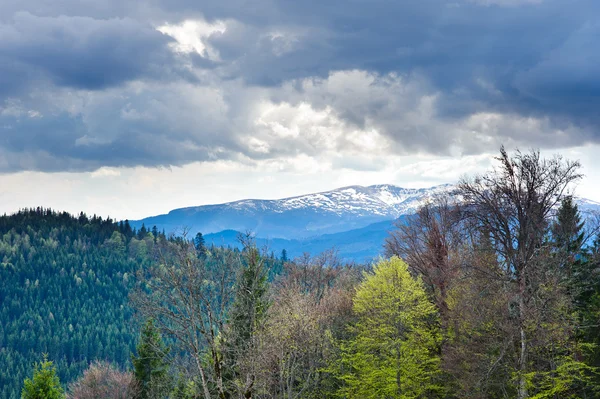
[(65, 282), (65, 292)]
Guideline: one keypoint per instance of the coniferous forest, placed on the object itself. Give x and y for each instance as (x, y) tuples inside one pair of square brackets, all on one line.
[(492, 291)]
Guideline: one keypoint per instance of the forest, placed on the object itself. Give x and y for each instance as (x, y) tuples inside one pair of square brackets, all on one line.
[(492, 291)]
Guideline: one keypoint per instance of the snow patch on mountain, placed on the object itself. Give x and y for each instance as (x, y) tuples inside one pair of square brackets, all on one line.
[(381, 200), (310, 215)]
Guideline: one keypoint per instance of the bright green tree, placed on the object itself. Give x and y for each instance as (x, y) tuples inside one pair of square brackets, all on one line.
[(394, 350), (151, 366), (184, 389), (44, 384)]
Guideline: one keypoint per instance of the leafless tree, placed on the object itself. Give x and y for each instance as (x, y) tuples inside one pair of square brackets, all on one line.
[(430, 242), (313, 274), (188, 295), (102, 380), (514, 204), (311, 305)]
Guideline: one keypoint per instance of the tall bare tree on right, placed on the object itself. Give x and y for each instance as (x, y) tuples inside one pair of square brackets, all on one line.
[(514, 203)]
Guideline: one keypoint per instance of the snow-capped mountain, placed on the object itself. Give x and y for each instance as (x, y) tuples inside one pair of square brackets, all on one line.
[(383, 200), (354, 219), (303, 216)]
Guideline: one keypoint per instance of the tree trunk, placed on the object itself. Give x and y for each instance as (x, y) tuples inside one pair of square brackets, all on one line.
[(523, 366), (203, 379), (522, 390)]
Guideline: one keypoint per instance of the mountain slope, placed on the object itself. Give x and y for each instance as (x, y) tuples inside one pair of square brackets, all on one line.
[(355, 219), (303, 216)]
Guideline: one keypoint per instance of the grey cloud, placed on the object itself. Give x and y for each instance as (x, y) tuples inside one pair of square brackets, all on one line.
[(87, 53), (567, 79), (456, 45), (531, 66), (162, 125)]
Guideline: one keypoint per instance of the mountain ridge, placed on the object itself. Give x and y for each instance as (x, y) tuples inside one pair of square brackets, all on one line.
[(301, 216)]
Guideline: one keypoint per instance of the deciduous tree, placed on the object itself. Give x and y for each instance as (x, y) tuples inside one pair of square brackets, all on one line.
[(514, 204), (188, 297), (394, 351), (102, 380)]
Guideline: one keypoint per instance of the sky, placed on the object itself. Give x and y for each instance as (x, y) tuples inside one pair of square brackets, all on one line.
[(133, 108)]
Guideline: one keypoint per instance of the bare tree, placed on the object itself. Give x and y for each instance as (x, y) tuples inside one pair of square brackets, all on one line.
[(430, 242), (311, 304), (313, 274), (102, 380), (514, 204), (188, 295)]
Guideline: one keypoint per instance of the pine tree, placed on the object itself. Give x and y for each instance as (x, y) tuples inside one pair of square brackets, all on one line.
[(199, 244), (568, 238), (247, 313), (44, 384), (284, 256), (150, 366)]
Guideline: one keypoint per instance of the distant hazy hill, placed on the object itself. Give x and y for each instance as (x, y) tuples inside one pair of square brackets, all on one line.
[(360, 245), (300, 217), (355, 219)]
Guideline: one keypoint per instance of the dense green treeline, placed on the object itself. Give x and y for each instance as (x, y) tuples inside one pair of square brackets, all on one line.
[(65, 286), (65, 282)]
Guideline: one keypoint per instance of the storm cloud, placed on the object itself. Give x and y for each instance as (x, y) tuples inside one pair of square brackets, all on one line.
[(163, 83)]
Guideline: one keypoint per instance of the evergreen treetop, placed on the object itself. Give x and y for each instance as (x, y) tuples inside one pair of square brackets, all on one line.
[(151, 365), (44, 384)]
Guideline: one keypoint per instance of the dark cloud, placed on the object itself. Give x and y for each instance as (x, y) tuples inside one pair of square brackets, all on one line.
[(524, 57), (86, 53), (64, 143), (434, 76)]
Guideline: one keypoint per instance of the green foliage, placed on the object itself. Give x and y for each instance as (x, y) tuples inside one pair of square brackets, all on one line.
[(184, 389), (579, 268), (65, 285), (284, 256), (66, 282), (246, 316), (570, 379), (567, 229), (568, 236), (44, 384), (250, 303), (151, 366), (394, 351), (199, 244)]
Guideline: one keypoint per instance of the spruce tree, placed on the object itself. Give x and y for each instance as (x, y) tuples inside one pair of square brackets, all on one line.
[(284, 257), (150, 366), (247, 313), (199, 244), (576, 263), (568, 237), (44, 384)]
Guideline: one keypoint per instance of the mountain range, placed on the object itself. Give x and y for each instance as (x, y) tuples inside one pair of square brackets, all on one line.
[(355, 220)]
